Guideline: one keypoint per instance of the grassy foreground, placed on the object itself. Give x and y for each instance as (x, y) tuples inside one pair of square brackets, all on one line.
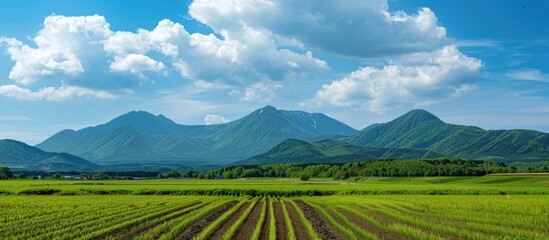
[(490, 207), (333, 217)]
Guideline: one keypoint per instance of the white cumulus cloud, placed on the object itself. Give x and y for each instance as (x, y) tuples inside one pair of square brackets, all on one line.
[(51, 93), (210, 119), (362, 28), (412, 79), (136, 64)]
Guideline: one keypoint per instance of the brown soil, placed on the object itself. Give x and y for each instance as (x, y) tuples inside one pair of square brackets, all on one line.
[(132, 231), (299, 229), (199, 225), (266, 227), (230, 222), (320, 224), (281, 230), (246, 230), (382, 234)]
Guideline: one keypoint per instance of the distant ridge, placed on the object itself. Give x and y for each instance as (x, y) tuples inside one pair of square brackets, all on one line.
[(331, 151), (420, 129), (21, 156), (141, 137)]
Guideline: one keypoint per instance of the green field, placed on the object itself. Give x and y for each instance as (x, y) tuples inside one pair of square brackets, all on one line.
[(491, 207)]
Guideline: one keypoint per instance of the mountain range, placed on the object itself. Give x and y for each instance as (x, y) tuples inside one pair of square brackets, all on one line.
[(19, 155), (141, 137), (420, 129), (270, 135)]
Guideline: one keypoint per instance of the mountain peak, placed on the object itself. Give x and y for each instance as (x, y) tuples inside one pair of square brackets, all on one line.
[(418, 116), (268, 108), (136, 114)]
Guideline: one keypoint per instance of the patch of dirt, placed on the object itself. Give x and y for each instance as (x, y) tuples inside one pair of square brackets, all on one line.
[(229, 223), (299, 229), (199, 225), (281, 230), (266, 227), (128, 230), (246, 230), (320, 224), (382, 234)]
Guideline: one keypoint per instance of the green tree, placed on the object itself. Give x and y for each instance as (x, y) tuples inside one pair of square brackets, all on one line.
[(305, 177), (160, 176), (5, 173), (172, 174), (56, 176)]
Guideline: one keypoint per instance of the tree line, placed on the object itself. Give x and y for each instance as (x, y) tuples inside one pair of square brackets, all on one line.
[(381, 168)]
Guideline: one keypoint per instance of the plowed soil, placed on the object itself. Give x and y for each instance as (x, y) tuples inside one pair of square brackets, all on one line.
[(281, 230), (299, 229), (230, 222), (246, 230), (199, 225), (266, 227), (320, 224)]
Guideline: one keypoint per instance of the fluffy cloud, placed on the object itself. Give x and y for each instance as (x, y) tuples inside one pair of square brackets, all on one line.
[(210, 119), (257, 92), (136, 64), (84, 52), (412, 79), (362, 28), (51, 93)]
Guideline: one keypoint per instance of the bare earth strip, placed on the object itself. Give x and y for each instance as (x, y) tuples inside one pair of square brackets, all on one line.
[(265, 228), (198, 226), (320, 224), (281, 230), (246, 230), (299, 229), (129, 229), (368, 227), (227, 225)]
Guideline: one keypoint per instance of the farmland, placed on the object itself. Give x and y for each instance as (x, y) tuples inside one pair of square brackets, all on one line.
[(387, 208)]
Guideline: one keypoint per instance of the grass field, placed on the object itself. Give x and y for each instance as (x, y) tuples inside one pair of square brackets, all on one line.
[(407, 213)]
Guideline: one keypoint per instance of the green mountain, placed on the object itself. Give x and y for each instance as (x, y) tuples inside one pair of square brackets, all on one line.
[(20, 156), (420, 129), (331, 151), (141, 137)]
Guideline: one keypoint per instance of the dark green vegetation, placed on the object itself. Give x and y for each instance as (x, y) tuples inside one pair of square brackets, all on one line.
[(18, 155), (331, 151), (378, 168), (140, 137), (423, 130)]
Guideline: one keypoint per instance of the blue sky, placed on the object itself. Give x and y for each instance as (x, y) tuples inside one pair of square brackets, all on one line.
[(75, 63)]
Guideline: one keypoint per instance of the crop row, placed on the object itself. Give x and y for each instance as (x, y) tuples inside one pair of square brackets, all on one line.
[(329, 217)]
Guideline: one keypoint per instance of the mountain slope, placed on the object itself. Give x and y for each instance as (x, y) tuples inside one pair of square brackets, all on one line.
[(262, 129), (421, 129), (141, 137), (21, 156), (330, 151)]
